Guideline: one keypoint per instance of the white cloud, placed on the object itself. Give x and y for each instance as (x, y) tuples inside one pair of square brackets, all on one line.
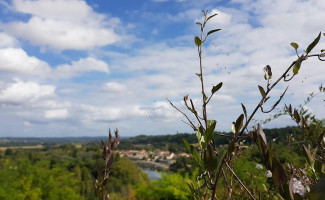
[(221, 17), (21, 92), (56, 114), (114, 87), (109, 114), (71, 25), (7, 41), (163, 111), (15, 60), (80, 66)]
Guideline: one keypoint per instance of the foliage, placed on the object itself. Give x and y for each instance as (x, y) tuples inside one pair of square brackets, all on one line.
[(217, 162), (60, 173), (170, 187)]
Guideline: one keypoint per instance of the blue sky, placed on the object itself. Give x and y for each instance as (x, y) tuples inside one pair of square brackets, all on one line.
[(78, 68)]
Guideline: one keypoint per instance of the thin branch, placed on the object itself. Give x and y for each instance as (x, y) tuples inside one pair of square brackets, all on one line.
[(227, 184), (192, 125), (239, 181), (321, 55), (268, 110), (262, 100), (209, 99), (186, 123), (287, 80), (318, 55)]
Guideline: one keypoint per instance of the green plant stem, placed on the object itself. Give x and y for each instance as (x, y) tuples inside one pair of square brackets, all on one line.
[(204, 109)]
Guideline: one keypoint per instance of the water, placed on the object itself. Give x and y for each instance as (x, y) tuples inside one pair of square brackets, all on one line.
[(153, 175)]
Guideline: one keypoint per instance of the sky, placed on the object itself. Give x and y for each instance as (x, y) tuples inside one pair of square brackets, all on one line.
[(78, 68)]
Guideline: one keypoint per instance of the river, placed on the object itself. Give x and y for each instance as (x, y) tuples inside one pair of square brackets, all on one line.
[(153, 175)]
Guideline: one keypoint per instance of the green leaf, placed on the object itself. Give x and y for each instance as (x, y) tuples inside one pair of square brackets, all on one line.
[(220, 158), (199, 75), (197, 41), (239, 123), (192, 150), (322, 50), (212, 31), (200, 138), (288, 190), (216, 88), (296, 69), (231, 148), (261, 134), (202, 143), (313, 44), (271, 152), (297, 65), (210, 131), (294, 45), (198, 135), (211, 16), (244, 109), (210, 122), (190, 185), (317, 191), (268, 72), (290, 109), (233, 128), (279, 176), (296, 116), (199, 23), (210, 158), (186, 144), (262, 91), (308, 155)]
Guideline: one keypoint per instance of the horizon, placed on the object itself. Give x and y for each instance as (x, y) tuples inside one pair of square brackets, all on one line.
[(121, 137), (87, 66)]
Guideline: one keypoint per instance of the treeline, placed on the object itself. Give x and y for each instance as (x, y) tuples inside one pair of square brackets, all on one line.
[(174, 143)]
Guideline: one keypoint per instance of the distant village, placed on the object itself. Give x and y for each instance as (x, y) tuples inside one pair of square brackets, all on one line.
[(157, 159)]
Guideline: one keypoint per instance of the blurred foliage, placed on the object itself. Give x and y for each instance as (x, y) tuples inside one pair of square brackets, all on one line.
[(65, 172)]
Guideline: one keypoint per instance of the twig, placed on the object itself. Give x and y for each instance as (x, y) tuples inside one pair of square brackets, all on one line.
[(239, 181), (227, 184), (262, 100), (192, 125)]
